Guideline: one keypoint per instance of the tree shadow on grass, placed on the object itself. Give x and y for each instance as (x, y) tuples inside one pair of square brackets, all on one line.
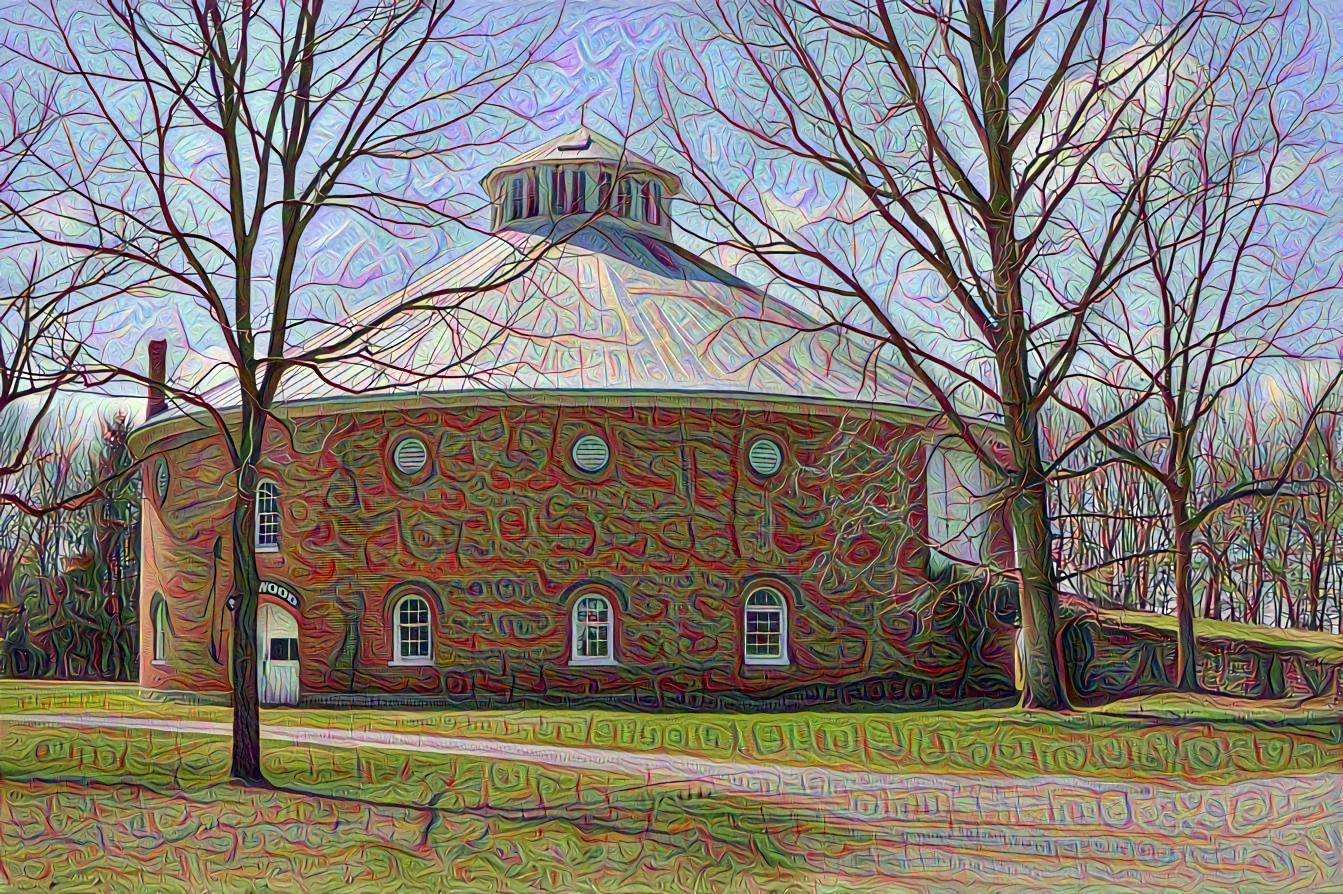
[(678, 815)]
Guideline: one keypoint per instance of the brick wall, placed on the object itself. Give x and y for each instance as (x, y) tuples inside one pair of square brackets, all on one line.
[(501, 533)]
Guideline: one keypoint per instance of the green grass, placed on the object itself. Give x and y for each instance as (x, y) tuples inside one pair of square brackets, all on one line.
[(1155, 742), (1312, 643), (125, 809), (51, 697), (131, 810), (1159, 738), (230, 840)]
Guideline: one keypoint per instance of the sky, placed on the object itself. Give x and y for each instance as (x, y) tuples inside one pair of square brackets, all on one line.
[(600, 53), (602, 69)]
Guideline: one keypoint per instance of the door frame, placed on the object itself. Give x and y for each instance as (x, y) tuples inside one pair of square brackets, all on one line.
[(264, 609)]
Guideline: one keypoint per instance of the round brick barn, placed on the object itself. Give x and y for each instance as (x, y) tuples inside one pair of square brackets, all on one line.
[(621, 476)]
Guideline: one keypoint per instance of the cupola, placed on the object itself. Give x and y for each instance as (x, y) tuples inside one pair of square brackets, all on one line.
[(576, 176)]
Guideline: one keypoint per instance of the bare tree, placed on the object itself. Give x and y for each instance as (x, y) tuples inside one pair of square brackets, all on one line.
[(230, 138), (1262, 549), (962, 203), (1234, 297), (1112, 530), (43, 355), (46, 299)]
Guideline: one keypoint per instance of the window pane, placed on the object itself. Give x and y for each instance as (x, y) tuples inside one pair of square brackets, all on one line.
[(592, 610), (651, 195), (765, 597), (414, 611), (764, 633), (413, 628), (578, 201), (624, 191), (592, 628), (515, 198), (267, 515), (558, 198), (594, 641), (160, 633), (604, 190)]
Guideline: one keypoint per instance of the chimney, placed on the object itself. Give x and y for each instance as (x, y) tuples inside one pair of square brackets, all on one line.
[(158, 372)]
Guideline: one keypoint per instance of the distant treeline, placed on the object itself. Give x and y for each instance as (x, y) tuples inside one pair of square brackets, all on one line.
[(1274, 559), (69, 579)]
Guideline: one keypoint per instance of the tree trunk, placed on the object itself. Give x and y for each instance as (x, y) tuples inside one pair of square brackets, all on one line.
[(1042, 652), (1186, 646), (1039, 609), (1212, 600), (246, 766), (1317, 588)]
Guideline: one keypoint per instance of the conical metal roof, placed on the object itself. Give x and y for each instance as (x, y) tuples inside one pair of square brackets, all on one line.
[(609, 309)]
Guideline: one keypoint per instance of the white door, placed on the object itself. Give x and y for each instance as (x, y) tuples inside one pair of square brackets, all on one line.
[(277, 636)]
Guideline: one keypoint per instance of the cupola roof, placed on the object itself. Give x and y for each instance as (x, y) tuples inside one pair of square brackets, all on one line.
[(585, 147)]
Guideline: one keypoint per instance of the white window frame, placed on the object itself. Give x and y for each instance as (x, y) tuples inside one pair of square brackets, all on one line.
[(266, 536), (399, 657), (779, 609), (159, 655), (578, 629)]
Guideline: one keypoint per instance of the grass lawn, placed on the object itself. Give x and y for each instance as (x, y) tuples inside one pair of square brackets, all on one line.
[(135, 810), (1156, 738), (139, 810), (1327, 647)]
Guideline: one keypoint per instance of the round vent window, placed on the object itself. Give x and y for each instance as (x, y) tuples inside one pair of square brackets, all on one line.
[(765, 457), (410, 456), (591, 453), (161, 480)]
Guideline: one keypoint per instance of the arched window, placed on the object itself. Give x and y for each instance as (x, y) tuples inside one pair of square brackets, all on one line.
[(766, 632), (267, 516), (413, 641), (160, 620), (593, 631)]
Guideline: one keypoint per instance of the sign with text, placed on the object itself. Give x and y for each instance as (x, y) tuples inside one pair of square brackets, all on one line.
[(269, 588)]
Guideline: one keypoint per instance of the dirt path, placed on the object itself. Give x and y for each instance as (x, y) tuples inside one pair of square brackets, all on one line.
[(1260, 834)]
